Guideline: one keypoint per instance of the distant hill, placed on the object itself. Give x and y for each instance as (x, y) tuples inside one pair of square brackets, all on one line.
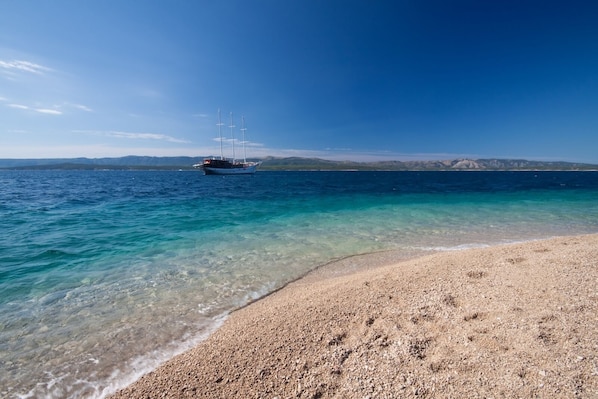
[(296, 163), (128, 162), (292, 163)]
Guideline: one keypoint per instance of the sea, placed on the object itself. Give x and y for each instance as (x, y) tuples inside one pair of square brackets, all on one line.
[(104, 275)]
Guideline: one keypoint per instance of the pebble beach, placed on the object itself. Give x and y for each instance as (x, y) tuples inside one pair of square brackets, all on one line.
[(517, 320)]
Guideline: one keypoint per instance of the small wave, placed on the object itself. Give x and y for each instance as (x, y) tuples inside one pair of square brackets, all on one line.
[(463, 247), (460, 247), (151, 361)]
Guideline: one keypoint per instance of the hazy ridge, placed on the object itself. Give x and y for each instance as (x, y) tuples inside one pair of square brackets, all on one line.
[(292, 163)]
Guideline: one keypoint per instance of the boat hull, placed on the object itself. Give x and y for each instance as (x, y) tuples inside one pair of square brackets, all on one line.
[(236, 170)]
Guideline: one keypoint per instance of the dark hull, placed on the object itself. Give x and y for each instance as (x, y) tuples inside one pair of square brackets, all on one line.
[(224, 167)]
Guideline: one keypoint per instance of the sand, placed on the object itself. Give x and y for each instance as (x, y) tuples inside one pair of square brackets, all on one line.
[(513, 321)]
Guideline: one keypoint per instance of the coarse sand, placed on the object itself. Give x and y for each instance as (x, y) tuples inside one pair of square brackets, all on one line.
[(512, 321)]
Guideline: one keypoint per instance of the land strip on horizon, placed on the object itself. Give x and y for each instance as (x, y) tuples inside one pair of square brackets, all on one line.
[(294, 164)]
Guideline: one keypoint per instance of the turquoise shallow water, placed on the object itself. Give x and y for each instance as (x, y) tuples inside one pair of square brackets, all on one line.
[(105, 274)]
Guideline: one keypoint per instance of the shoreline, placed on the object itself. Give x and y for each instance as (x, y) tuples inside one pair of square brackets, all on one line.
[(507, 320)]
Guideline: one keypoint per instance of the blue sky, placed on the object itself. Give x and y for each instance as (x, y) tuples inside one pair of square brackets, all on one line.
[(336, 79)]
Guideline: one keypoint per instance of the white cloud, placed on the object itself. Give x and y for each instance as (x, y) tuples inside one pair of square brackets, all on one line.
[(82, 107), (238, 143), (48, 111), (78, 106), (145, 136), (134, 135), (18, 106), (23, 66)]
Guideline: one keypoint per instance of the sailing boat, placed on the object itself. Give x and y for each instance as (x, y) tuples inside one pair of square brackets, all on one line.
[(223, 166)]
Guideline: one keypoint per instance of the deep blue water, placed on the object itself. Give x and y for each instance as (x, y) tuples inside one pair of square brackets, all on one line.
[(104, 274)]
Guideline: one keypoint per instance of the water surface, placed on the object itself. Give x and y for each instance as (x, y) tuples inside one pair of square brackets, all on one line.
[(105, 274)]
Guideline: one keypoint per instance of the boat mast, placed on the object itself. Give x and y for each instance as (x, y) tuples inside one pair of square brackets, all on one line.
[(220, 134), (243, 130), (232, 134)]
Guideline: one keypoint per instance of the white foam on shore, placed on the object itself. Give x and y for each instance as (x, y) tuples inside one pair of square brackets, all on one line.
[(141, 365), (54, 387), (461, 247), (464, 247)]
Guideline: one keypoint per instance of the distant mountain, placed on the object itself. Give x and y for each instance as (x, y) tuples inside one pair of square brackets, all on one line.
[(456, 164), (292, 163), (128, 162)]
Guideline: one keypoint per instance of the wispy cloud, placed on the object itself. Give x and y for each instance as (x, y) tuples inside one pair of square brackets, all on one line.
[(81, 107), (236, 141), (17, 106), (23, 66), (48, 111), (76, 106), (145, 136), (133, 135)]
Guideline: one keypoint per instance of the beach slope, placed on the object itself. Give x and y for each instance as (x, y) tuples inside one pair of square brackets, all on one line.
[(508, 321)]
